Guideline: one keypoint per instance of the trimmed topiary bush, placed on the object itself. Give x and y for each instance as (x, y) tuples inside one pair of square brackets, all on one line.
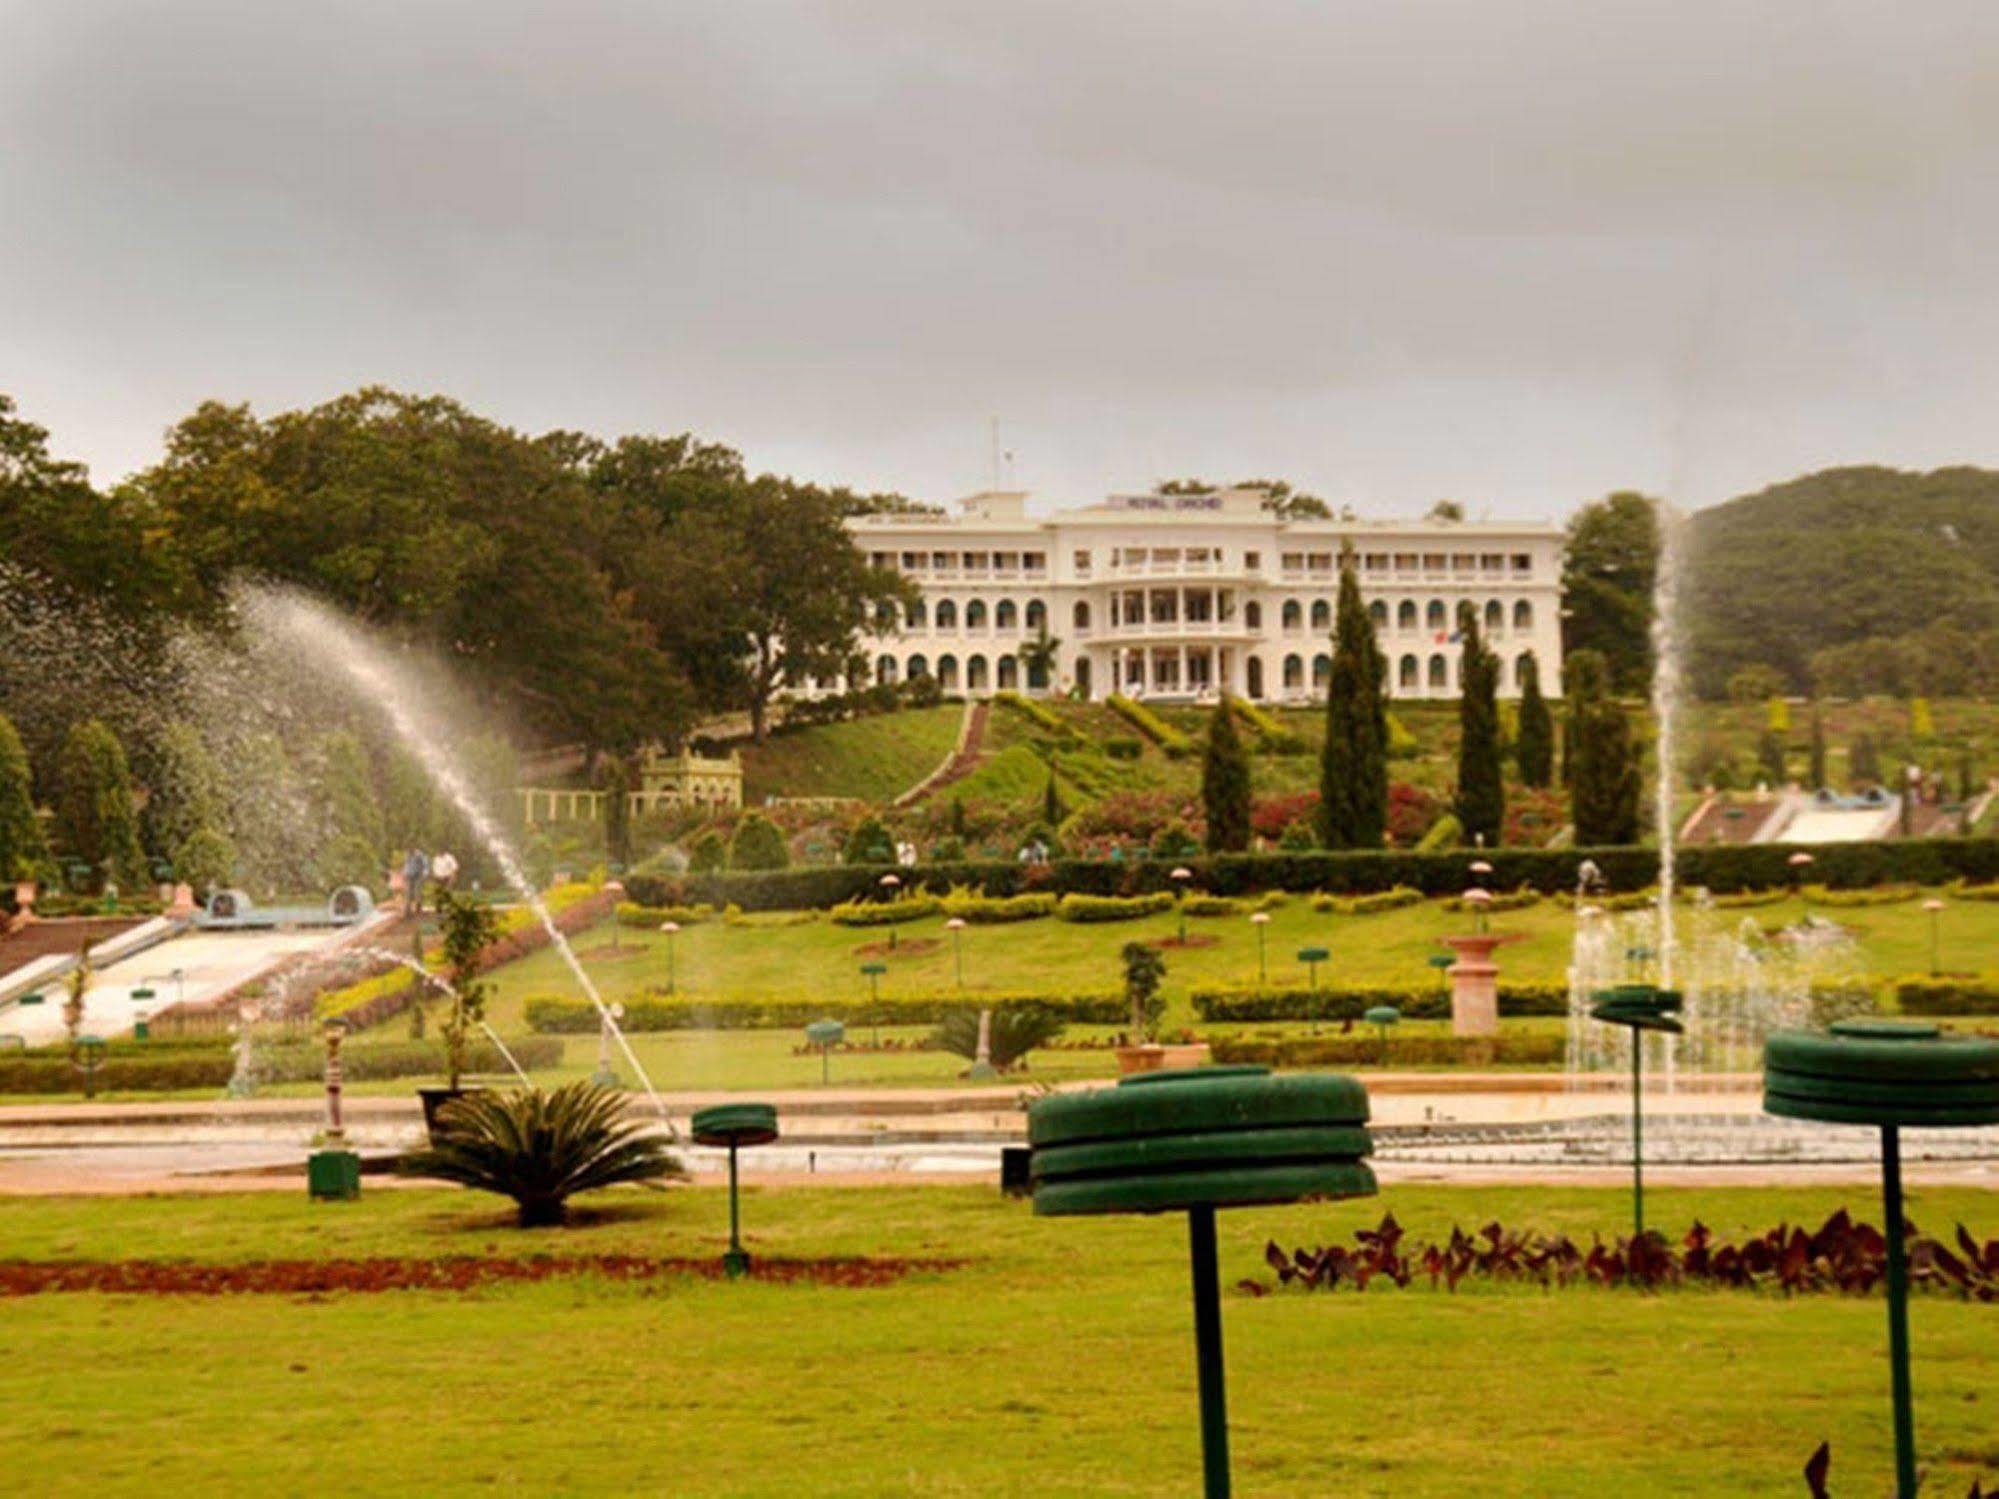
[(758, 844)]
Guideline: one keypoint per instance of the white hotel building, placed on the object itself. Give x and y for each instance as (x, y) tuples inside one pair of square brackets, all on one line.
[(1186, 596)]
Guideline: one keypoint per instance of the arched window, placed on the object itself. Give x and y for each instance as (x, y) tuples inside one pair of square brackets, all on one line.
[(1294, 617), (1255, 665), (885, 668), (1523, 616), (975, 615), (1522, 664), (1009, 673), (947, 615), (947, 673), (1322, 669), (884, 617), (1322, 616), (918, 667), (1495, 617), (1409, 673), (1377, 614), (1080, 615), (975, 673), (1252, 619), (1005, 616), (1037, 616), (1435, 615), (1440, 673), (1294, 673), (1405, 615), (912, 617)]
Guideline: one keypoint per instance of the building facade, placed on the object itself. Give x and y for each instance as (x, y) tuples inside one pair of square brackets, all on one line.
[(1188, 596)]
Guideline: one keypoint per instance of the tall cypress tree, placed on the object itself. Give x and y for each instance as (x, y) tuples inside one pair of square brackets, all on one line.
[(99, 824), (1817, 771), (1353, 769), (1481, 805), (24, 850), (1225, 792), (614, 779), (1534, 749), (1604, 796)]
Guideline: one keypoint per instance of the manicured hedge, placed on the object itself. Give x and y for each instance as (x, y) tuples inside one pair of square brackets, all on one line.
[(1199, 903), (1368, 905), (1722, 868), (682, 1012), (1296, 1002), (187, 1067), (1403, 1051), (1948, 996), (630, 913), (991, 910), (914, 907), (1113, 907)]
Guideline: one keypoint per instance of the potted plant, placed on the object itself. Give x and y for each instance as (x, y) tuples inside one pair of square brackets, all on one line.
[(469, 928), (1144, 969)]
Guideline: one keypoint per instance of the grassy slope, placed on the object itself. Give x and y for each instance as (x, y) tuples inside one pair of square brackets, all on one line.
[(876, 759), (1058, 1362), (848, 759)]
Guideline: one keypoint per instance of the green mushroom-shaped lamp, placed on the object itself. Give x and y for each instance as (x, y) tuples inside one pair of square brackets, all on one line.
[(1192, 1141), (1886, 1073), (734, 1125), (1638, 1008)]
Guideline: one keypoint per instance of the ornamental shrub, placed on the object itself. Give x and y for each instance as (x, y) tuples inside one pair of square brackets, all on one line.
[(758, 845), (707, 853), (1174, 842), (869, 843)]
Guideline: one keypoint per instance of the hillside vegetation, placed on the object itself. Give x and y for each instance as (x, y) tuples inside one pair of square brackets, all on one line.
[(1906, 564)]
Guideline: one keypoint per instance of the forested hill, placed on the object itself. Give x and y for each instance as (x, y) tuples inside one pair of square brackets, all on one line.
[(1851, 579)]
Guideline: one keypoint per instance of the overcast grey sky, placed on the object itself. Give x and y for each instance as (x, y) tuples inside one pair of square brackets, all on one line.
[(1516, 254)]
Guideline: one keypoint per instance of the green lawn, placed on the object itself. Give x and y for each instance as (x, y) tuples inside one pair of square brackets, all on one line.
[(1057, 1362), (784, 954)]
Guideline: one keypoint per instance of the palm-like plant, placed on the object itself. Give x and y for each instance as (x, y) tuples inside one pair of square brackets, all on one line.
[(542, 1148), (1013, 1032)]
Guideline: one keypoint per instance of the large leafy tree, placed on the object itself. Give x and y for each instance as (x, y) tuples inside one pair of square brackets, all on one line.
[(1481, 800), (1225, 783), (1353, 767), (1608, 574), (184, 790), (793, 586)]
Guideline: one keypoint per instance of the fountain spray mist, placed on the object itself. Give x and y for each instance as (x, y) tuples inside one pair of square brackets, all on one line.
[(1668, 672), (321, 632)]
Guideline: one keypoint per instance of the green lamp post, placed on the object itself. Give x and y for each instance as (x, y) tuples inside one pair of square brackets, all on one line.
[(1441, 961), (874, 972), (1193, 1141), (1260, 920), (1384, 1018), (735, 1125), (1935, 909), (825, 1034), (1639, 1008), (1312, 957), (86, 1057), (1888, 1073)]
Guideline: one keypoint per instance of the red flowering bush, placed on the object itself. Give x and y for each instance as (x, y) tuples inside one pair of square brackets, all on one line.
[(1271, 815), (1411, 810)]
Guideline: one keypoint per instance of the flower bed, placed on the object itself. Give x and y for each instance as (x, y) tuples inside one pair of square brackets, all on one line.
[(1298, 1002)]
